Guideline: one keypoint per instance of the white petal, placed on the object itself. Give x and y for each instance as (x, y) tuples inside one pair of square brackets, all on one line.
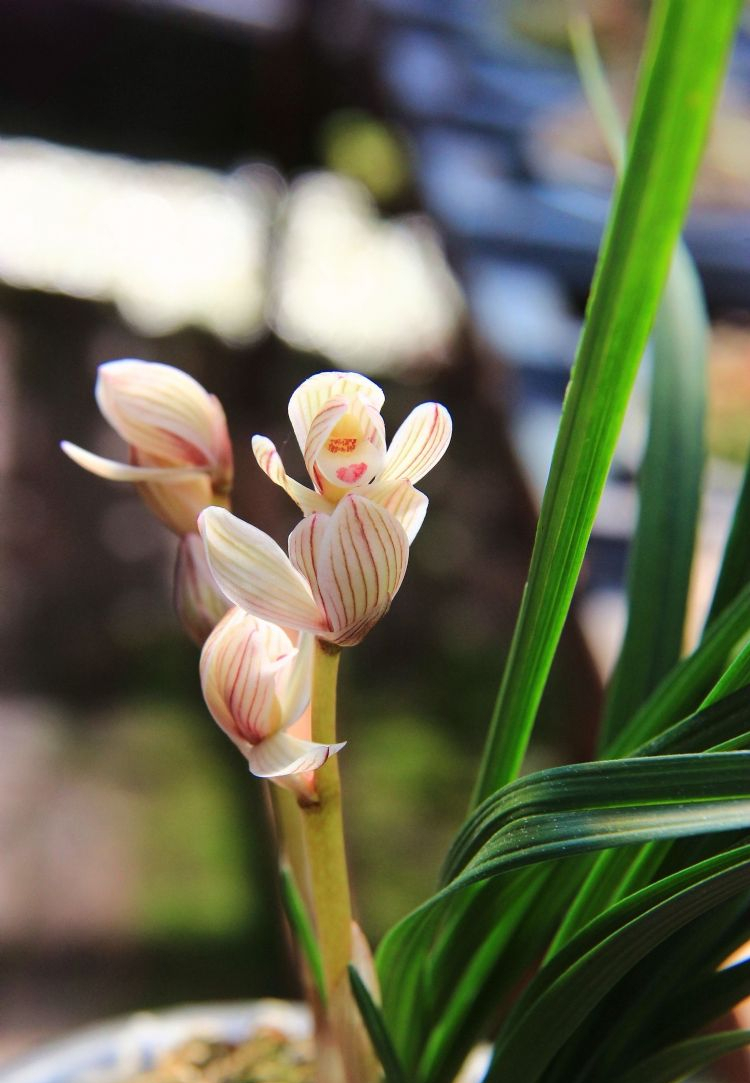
[(269, 461), (239, 666), (283, 754), (114, 471), (311, 396), (403, 501), (160, 410), (305, 547), (419, 444), (294, 683), (362, 560), (255, 573)]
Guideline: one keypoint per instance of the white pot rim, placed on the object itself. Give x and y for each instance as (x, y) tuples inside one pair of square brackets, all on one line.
[(114, 1050)]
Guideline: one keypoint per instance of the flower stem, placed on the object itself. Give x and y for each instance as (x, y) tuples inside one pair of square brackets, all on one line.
[(324, 829)]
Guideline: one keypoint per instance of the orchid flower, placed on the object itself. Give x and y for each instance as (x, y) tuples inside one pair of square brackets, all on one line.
[(336, 419), (180, 453), (256, 684), (342, 571)]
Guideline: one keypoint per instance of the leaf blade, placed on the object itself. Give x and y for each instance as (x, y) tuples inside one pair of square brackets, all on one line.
[(685, 57)]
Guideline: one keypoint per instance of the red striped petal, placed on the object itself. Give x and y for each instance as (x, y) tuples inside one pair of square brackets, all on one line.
[(419, 444), (256, 574), (361, 563)]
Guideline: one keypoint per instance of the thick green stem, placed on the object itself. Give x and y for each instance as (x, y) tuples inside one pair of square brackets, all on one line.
[(344, 1051), (324, 830)]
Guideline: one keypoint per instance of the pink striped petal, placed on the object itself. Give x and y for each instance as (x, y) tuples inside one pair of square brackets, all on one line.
[(256, 574), (305, 548), (114, 471), (239, 666), (362, 560), (311, 396), (294, 683), (162, 411), (419, 444), (269, 461), (283, 754), (403, 501)]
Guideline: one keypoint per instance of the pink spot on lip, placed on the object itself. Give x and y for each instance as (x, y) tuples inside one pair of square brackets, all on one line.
[(350, 474)]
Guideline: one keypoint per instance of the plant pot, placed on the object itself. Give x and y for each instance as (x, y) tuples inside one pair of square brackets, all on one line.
[(114, 1051)]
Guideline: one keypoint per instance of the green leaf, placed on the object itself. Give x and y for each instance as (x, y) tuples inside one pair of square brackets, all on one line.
[(678, 1062), (734, 677), (645, 797), (546, 816), (566, 991), (727, 720), (669, 482), (645, 1011), (616, 872), (495, 943), (681, 72), (734, 573), (301, 926), (376, 1028), (683, 690), (702, 1002), (669, 497)]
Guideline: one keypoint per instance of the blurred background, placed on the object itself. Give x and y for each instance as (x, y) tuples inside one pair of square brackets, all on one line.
[(256, 190)]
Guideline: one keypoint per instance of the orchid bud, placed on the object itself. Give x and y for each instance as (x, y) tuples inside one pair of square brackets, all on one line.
[(256, 683), (180, 455), (199, 603)]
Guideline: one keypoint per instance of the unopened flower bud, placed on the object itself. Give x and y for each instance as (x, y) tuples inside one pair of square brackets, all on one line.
[(199, 603), (256, 683)]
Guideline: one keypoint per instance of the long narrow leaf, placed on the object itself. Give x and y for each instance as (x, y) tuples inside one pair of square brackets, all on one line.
[(680, 1061), (735, 566), (669, 490), (641, 1014), (528, 839), (684, 61), (304, 933), (683, 690), (726, 720), (616, 872), (550, 1012), (600, 796), (669, 481), (376, 1028)]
